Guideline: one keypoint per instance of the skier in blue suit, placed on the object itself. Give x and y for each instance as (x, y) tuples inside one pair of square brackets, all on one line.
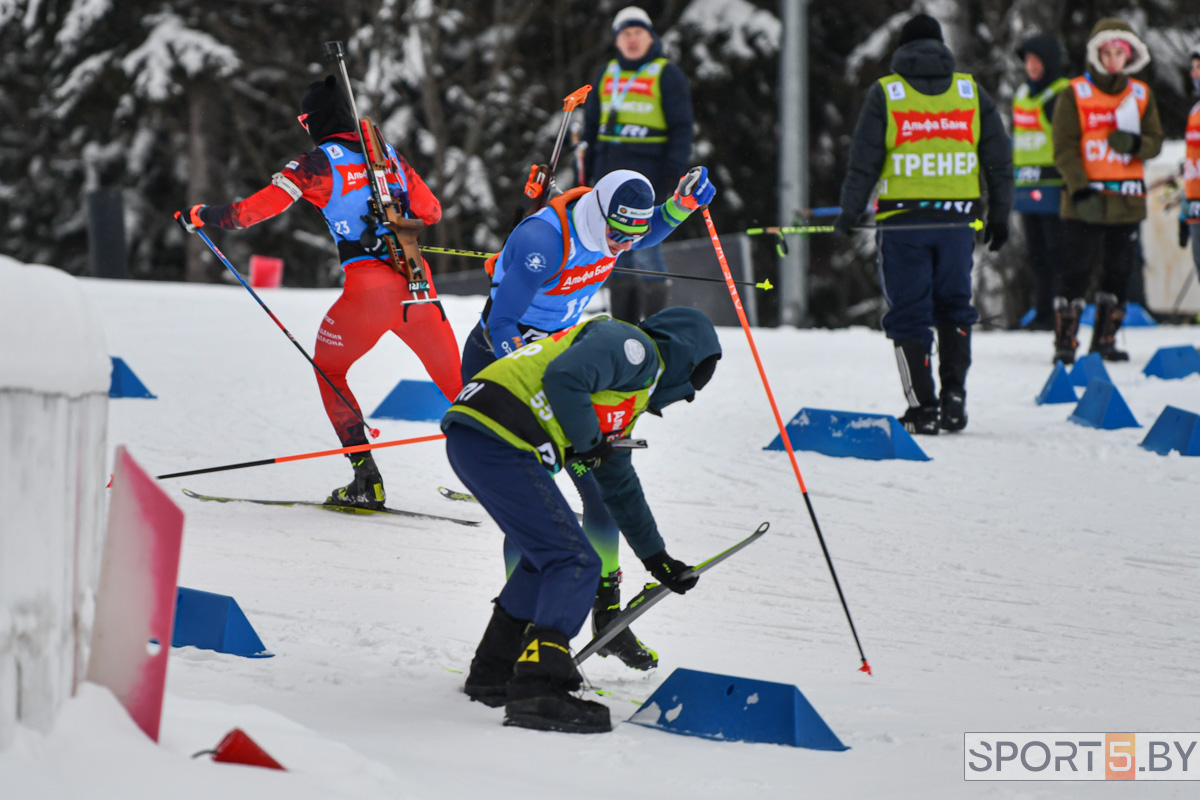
[(551, 266)]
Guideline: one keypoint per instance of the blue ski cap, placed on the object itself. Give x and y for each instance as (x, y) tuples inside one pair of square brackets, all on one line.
[(630, 207)]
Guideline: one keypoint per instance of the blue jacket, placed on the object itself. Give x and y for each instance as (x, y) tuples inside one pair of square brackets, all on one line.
[(533, 288)]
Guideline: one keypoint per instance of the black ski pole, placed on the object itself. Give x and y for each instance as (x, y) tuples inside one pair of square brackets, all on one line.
[(449, 251), (373, 431)]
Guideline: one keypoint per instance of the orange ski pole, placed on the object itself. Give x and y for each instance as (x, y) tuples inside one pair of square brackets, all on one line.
[(787, 444), (357, 448)]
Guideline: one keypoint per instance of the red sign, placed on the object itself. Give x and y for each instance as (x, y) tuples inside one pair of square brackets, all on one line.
[(1026, 120), (354, 177), (913, 126), (574, 279), (1100, 119), (640, 86)]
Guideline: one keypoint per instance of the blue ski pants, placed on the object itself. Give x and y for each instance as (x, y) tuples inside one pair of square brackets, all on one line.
[(926, 280), (554, 581)]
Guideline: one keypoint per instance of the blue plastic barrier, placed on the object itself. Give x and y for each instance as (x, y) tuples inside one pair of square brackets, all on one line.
[(1089, 368), (1103, 407), (1173, 362), (124, 383), (731, 709), (1175, 429), (1058, 388), (850, 434), (214, 622), (420, 401), (1136, 316)]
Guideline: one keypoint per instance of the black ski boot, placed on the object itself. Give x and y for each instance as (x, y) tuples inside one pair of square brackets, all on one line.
[(954, 358), (366, 490), (539, 693), (916, 376), (624, 645), (495, 658), (1066, 328), (1109, 316)]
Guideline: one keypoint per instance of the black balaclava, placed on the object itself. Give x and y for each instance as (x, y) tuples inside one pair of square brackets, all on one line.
[(328, 110)]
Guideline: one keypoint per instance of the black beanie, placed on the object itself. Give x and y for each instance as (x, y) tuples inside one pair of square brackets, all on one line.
[(922, 26), (328, 110)]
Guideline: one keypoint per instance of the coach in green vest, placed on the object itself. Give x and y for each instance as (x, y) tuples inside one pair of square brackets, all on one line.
[(639, 117), (926, 137), (1038, 183)]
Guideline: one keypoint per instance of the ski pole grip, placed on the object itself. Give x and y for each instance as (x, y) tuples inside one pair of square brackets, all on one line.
[(334, 51), (575, 98)]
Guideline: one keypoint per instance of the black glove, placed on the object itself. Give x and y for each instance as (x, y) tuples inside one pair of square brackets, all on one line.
[(1183, 233), (669, 572), (590, 459), (995, 234), (844, 224), (1124, 142), (1089, 205), (189, 218)]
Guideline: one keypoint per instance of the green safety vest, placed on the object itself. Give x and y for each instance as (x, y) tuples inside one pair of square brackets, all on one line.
[(640, 117), (1033, 141), (509, 399), (932, 141)]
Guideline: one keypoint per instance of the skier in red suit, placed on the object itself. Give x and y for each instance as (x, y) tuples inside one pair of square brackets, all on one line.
[(333, 177)]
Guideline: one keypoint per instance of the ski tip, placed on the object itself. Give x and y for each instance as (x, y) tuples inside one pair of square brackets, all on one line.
[(865, 667), (109, 484)]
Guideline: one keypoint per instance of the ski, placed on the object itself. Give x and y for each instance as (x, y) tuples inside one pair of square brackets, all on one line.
[(331, 507), (466, 497), (655, 592)]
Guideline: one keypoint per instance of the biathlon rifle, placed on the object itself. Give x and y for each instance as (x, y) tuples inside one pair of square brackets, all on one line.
[(385, 210)]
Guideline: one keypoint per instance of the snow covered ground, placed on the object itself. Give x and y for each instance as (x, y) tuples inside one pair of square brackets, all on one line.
[(1034, 576)]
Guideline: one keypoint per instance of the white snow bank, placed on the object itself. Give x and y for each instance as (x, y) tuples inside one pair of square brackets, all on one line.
[(54, 375), (53, 341)]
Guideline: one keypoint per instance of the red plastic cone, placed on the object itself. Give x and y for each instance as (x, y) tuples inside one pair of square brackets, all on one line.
[(238, 748)]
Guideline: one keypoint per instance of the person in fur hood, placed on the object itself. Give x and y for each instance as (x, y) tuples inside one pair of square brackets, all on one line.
[(1105, 127)]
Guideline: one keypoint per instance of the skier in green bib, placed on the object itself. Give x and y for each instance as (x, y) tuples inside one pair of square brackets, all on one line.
[(559, 403)]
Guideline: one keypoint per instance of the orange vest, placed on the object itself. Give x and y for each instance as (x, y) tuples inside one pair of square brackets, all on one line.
[(1122, 172), (1191, 158)]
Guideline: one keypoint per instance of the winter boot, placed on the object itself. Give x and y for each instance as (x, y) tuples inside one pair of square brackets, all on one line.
[(954, 358), (1109, 316), (495, 658), (366, 490), (539, 692), (1066, 327), (624, 645), (916, 376)]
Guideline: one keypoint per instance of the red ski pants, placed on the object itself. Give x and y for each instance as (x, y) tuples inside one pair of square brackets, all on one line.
[(372, 302)]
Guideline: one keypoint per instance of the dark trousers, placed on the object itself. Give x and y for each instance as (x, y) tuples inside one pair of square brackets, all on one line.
[(1043, 237), (1113, 247), (601, 529), (926, 280), (555, 579)]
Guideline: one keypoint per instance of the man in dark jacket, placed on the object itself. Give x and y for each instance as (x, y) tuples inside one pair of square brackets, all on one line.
[(640, 118), (926, 135), (561, 402), (1039, 185)]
